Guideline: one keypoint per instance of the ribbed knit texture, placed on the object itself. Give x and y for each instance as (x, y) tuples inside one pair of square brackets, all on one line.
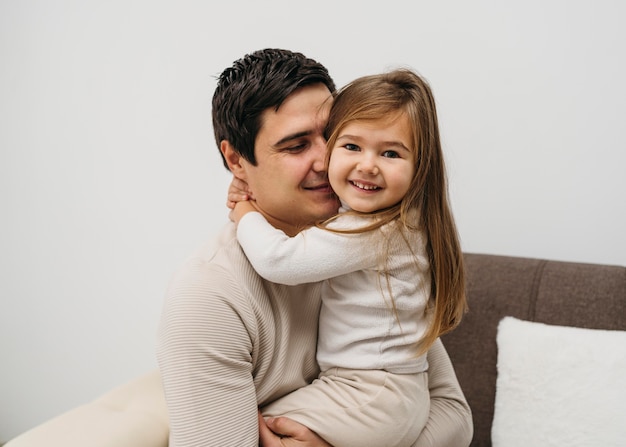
[(228, 342)]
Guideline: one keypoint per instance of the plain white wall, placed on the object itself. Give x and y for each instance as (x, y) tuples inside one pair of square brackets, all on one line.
[(110, 178)]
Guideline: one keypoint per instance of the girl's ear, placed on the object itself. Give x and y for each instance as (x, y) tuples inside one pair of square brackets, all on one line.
[(233, 159)]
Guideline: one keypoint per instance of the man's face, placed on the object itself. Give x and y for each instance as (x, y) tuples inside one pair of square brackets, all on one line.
[(289, 183)]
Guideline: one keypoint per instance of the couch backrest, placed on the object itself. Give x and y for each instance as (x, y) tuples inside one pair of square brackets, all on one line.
[(551, 292)]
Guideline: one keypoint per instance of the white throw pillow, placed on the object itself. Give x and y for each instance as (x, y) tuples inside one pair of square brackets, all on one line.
[(559, 386)]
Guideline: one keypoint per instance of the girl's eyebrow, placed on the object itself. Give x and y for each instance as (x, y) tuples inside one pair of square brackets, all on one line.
[(386, 143)]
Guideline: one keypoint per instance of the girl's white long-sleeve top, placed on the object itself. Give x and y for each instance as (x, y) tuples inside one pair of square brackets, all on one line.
[(358, 327)]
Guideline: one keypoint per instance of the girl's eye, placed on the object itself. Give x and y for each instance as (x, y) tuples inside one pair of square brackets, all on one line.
[(351, 147), (391, 154)]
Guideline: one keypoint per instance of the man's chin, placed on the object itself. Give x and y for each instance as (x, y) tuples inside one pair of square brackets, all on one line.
[(326, 210)]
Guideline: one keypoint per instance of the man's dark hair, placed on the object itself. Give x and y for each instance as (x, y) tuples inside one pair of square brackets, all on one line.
[(254, 83)]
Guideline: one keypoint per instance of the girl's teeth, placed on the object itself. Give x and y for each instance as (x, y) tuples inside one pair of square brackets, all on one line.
[(362, 186)]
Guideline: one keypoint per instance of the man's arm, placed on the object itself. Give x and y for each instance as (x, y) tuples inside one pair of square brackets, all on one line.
[(204, 353), (450, 420)]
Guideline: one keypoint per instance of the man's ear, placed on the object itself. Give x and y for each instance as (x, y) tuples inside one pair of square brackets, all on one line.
[(233, 159)]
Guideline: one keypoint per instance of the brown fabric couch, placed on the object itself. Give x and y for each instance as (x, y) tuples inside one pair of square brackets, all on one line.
[(552, 292)]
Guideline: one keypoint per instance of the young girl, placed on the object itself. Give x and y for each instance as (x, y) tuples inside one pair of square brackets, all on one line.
[(390, 260)]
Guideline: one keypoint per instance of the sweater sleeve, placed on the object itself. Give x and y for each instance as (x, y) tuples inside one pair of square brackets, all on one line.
[(204, 353), (450, 419), (314, 254)]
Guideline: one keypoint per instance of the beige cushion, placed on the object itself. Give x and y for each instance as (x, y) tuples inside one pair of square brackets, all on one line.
[(132, 415)]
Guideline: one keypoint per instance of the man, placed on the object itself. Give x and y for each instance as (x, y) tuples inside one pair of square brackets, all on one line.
[(230, 341)]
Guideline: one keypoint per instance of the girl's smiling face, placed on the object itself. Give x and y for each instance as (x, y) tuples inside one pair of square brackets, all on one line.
[(372, 163)]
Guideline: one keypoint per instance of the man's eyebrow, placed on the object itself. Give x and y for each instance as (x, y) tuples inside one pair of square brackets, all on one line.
[(293, 136)]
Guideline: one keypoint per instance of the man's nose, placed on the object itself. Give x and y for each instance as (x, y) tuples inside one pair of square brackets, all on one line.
[(318, 153)]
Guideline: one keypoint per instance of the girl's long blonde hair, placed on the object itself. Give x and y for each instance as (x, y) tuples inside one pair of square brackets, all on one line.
[(384, 95)]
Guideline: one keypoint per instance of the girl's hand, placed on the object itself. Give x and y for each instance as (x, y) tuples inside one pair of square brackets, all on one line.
[(240, 209), (238, 191), (285, 432)]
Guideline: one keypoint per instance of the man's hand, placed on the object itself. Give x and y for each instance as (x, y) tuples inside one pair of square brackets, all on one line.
[(284, 432), (238, 191)]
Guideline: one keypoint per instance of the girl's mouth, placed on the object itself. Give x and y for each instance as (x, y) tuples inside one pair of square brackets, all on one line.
[(364, 186)]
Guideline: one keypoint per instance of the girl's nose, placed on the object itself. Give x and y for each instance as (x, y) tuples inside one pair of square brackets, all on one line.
[(367, 165)]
